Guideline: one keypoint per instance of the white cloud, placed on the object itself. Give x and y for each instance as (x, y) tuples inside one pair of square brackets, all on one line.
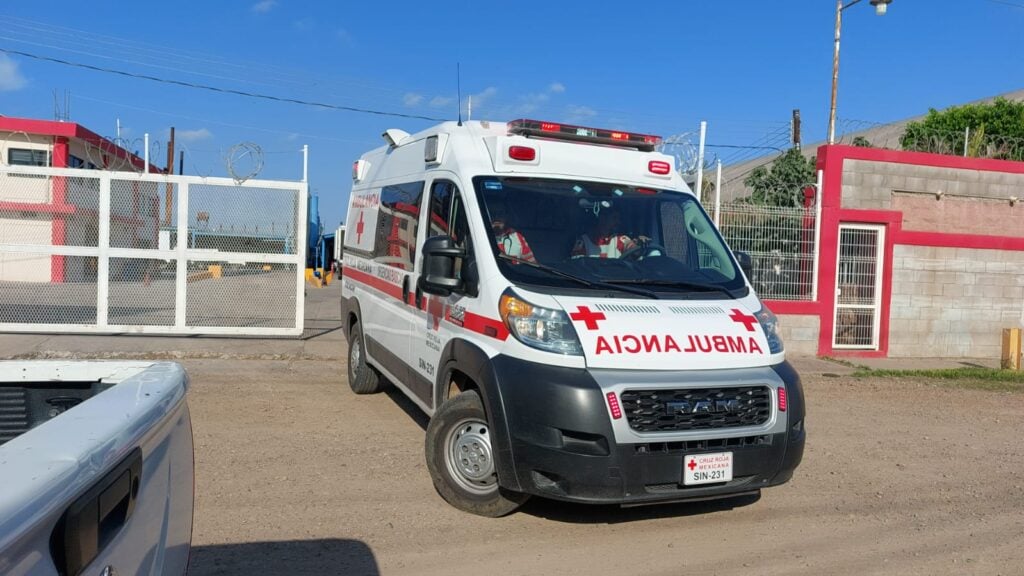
[(292, 137), (194, 135), (480, 98), (10, 77), (579, 113), (303, 25), (412, 99), (264, 6), (556, 88), (440, 101)]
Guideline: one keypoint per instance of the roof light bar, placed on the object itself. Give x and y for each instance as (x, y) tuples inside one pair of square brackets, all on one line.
[(642, 142)]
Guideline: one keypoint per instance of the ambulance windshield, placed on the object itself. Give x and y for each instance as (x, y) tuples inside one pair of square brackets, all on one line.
[(547, 232)]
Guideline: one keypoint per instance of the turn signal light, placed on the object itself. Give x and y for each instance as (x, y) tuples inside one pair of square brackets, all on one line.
[(782, 398), (613, 405), (523, 153)]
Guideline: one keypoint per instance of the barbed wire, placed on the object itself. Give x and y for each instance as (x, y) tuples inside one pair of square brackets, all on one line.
[(973, 142), (244, 161)]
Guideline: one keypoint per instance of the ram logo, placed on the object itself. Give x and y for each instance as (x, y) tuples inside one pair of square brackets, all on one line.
[(703, 407)]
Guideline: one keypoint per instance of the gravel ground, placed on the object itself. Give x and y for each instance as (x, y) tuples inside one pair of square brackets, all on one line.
[(297, 475)]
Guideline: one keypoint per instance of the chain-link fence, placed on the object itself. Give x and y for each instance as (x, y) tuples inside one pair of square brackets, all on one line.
[(781, 243), (100, 251)]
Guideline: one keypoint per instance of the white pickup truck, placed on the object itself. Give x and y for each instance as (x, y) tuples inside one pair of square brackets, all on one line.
[(96, 468)]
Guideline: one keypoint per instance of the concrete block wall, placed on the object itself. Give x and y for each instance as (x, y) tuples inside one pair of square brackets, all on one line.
[(800, 334), (954, 302), (871, 185)]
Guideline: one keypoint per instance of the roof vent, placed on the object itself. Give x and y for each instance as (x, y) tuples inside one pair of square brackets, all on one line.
[(395, 137)]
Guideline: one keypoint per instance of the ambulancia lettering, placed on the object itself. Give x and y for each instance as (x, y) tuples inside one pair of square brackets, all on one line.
[(666, 343)]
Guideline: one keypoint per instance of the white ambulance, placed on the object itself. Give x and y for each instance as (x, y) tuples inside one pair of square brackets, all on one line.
[(557, 301)]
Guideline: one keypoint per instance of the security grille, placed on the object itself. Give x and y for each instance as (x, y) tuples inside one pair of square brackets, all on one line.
[(101, 251), (858, 287)]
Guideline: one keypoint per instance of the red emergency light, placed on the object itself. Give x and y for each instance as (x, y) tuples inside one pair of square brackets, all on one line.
[(613, 405), (782, 398), (522, 153), (537, 128), (659, 167)]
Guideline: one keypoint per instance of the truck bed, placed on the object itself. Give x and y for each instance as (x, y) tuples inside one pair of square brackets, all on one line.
[(96, 467)]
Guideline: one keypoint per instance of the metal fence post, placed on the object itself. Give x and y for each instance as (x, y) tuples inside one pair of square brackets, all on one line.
[(718, 194), (181, 273), (817, 235), (301, 241), (103, 256)]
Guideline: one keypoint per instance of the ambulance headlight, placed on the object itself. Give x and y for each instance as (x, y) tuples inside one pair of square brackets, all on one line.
[(770, 324), (541, 328)]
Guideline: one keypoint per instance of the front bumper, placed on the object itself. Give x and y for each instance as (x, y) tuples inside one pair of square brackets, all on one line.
[(563, 445)]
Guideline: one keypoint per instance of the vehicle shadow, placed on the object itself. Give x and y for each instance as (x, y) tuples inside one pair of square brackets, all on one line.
[(407, 406), (572, 513), (327, 556)]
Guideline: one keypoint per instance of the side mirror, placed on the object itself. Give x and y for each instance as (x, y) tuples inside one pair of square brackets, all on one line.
[(439, 256), (746, 264)]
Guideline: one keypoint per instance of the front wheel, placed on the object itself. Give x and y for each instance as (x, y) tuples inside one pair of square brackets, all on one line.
[(461, 460)]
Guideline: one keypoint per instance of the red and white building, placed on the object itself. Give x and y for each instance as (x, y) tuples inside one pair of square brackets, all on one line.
[(51, 210), (921, 255)]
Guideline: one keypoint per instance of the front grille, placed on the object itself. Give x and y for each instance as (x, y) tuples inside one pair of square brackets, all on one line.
[(687, 409)]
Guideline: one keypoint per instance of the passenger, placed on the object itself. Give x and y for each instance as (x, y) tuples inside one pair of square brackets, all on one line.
[(603, 240), (510, 241)]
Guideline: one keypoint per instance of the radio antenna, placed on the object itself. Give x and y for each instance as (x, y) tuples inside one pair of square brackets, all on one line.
[(458, 88)]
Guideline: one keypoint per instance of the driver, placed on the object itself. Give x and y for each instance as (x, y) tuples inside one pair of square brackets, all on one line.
[(510, 241), (602, 240)]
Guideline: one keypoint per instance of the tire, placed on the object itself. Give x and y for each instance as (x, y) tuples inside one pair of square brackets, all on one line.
[(469, 483), (362, 378)]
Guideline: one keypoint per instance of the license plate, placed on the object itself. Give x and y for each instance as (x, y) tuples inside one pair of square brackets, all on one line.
[(707, 468)]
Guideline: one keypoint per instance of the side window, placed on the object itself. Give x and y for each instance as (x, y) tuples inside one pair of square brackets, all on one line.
[(26, 157), (712, 255), (440, 208), (447, 212), (448, 217), (397, 224)]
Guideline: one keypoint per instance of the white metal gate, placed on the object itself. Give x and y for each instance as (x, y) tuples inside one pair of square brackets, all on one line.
[(111, 252), (858, 286)]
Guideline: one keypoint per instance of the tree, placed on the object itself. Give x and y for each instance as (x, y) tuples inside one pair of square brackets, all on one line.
[(996, 130), (783, 182)]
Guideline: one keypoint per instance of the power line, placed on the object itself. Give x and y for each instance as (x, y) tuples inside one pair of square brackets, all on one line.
[(218, 89), (1007, 3)]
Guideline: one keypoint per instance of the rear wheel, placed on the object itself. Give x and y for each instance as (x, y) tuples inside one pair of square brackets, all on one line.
[(461, 460), (362, 377)]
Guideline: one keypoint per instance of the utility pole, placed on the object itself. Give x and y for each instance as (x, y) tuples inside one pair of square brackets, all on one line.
[(169, 192), (796, 129)]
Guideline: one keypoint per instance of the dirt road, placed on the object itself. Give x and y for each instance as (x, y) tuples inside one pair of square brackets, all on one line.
[(296, 475)]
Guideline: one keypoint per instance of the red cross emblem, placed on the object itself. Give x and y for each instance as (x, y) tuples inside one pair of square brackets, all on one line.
[(359, 229), (692, 465), (745, 319), (435, 311), (589, 318)]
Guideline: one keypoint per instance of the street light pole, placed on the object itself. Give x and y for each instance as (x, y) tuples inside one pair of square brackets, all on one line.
[(880, 9), (835, 74)]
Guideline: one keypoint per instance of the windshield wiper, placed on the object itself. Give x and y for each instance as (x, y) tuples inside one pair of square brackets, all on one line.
[(577, 279), (676, 284)]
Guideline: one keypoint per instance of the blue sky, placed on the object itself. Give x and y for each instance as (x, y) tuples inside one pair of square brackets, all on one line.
[(656, 67)]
